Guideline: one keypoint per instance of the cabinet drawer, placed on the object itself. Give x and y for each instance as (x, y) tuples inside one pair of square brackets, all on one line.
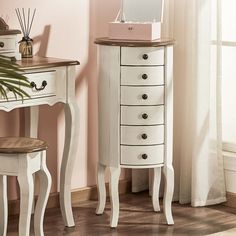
[(142, 95), (142, 115), (142, 56), (142, 75), (142, 155), (142, 135), (7, 44), (40, 79)]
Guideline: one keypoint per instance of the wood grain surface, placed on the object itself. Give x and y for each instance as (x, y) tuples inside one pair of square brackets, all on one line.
[(21, 145), (137, 218)]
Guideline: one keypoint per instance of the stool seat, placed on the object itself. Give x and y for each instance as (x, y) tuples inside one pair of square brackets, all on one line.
[(21, 145)]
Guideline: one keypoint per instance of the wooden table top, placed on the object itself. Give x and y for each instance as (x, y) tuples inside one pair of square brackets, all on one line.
[(16, 145), (37, 62)]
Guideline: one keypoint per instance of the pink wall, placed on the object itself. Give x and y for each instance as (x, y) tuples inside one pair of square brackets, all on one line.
[(65, 29)]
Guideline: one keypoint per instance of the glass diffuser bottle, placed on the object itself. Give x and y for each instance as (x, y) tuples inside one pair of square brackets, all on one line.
[(26, 47), (26, 43)]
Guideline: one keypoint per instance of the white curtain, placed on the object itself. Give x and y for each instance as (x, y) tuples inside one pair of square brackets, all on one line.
[(198, 161)]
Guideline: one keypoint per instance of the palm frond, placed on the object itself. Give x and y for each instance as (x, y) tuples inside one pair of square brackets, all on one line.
[(12, 79)]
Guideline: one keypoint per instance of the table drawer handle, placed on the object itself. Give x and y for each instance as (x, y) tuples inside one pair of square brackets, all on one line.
[(1, 44), (144, 136), (144, 156), (33, 85), (145, 56)]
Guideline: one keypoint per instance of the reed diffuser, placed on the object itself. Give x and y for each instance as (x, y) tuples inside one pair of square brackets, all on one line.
[(26, 21)]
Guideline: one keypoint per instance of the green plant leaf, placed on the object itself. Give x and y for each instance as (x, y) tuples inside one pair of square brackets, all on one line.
[(12, 78)]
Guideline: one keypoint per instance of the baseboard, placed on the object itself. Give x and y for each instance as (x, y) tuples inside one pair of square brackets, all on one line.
[(231, 199), (77, 195)]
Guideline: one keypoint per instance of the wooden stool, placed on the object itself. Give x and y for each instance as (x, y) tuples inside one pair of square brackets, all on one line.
[(22, 157)]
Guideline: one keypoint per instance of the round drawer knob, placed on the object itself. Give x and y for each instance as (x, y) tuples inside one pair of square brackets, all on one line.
[(144, 96), (144, 116), (145, 56), (144, 76), (1, 44), (144, 156), (144, 136)]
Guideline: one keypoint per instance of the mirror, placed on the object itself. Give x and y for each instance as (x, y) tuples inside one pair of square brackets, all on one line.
[(142, 10)]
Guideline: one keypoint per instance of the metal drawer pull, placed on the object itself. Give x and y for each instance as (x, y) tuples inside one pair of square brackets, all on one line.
[(144, 96), (145, 56), (33, 85), (144, 136), (1, 44), (144, 156), (144, 76), (144, 116)]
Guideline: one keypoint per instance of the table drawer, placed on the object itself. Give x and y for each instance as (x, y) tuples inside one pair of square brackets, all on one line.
[(142, 135), (148, 95), (142, 115), (142, 75), (45, 84), (7, 43), (142, 56), (142, 155)]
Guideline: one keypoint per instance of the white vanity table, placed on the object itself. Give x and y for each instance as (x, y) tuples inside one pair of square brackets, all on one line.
[(54, 81), (135, 116)]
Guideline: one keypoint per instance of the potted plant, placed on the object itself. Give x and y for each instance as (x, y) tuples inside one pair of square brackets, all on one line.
[(12, 79)]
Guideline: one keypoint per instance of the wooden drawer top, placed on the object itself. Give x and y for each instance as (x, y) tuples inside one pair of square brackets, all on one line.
[(21, 145), (9, 32), (133, 43), (44, 62)]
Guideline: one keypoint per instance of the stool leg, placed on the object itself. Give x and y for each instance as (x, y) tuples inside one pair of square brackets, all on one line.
[(26, 183), (101, 188), (45, 186), (3, 205)]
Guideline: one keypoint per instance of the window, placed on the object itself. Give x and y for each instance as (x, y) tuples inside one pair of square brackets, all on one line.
[(229, 74)]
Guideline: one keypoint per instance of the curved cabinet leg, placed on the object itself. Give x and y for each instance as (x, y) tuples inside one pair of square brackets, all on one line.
[(45, 186), (168, 193), (155, 188), (114, 195), (68, 159), (3, 205), (26, 183), (101, 189)]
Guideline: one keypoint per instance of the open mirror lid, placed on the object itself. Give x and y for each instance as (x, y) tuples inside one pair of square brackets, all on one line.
[(142, 10)]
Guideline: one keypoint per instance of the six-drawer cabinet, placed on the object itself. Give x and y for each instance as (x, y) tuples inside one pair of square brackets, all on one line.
[(135, 102)]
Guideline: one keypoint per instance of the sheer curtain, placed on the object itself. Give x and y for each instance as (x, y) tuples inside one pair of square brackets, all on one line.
[(198, 161)]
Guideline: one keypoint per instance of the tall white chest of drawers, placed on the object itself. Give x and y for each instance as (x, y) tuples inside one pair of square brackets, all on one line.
[(135, 103)]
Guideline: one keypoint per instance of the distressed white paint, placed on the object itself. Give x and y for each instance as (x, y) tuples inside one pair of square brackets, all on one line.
[(26, 164), (121, 124), (60, 88)]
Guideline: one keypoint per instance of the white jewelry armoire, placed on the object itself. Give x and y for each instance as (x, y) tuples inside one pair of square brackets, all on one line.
[(135, 80)]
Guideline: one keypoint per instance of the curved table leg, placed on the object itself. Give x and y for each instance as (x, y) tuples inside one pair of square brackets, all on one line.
[(68, 159), (45, 186), (31, 121), (3, 205), (155, 188), (168, 172), (114, 195), (26, 183), (31, 127), (101, 188)]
